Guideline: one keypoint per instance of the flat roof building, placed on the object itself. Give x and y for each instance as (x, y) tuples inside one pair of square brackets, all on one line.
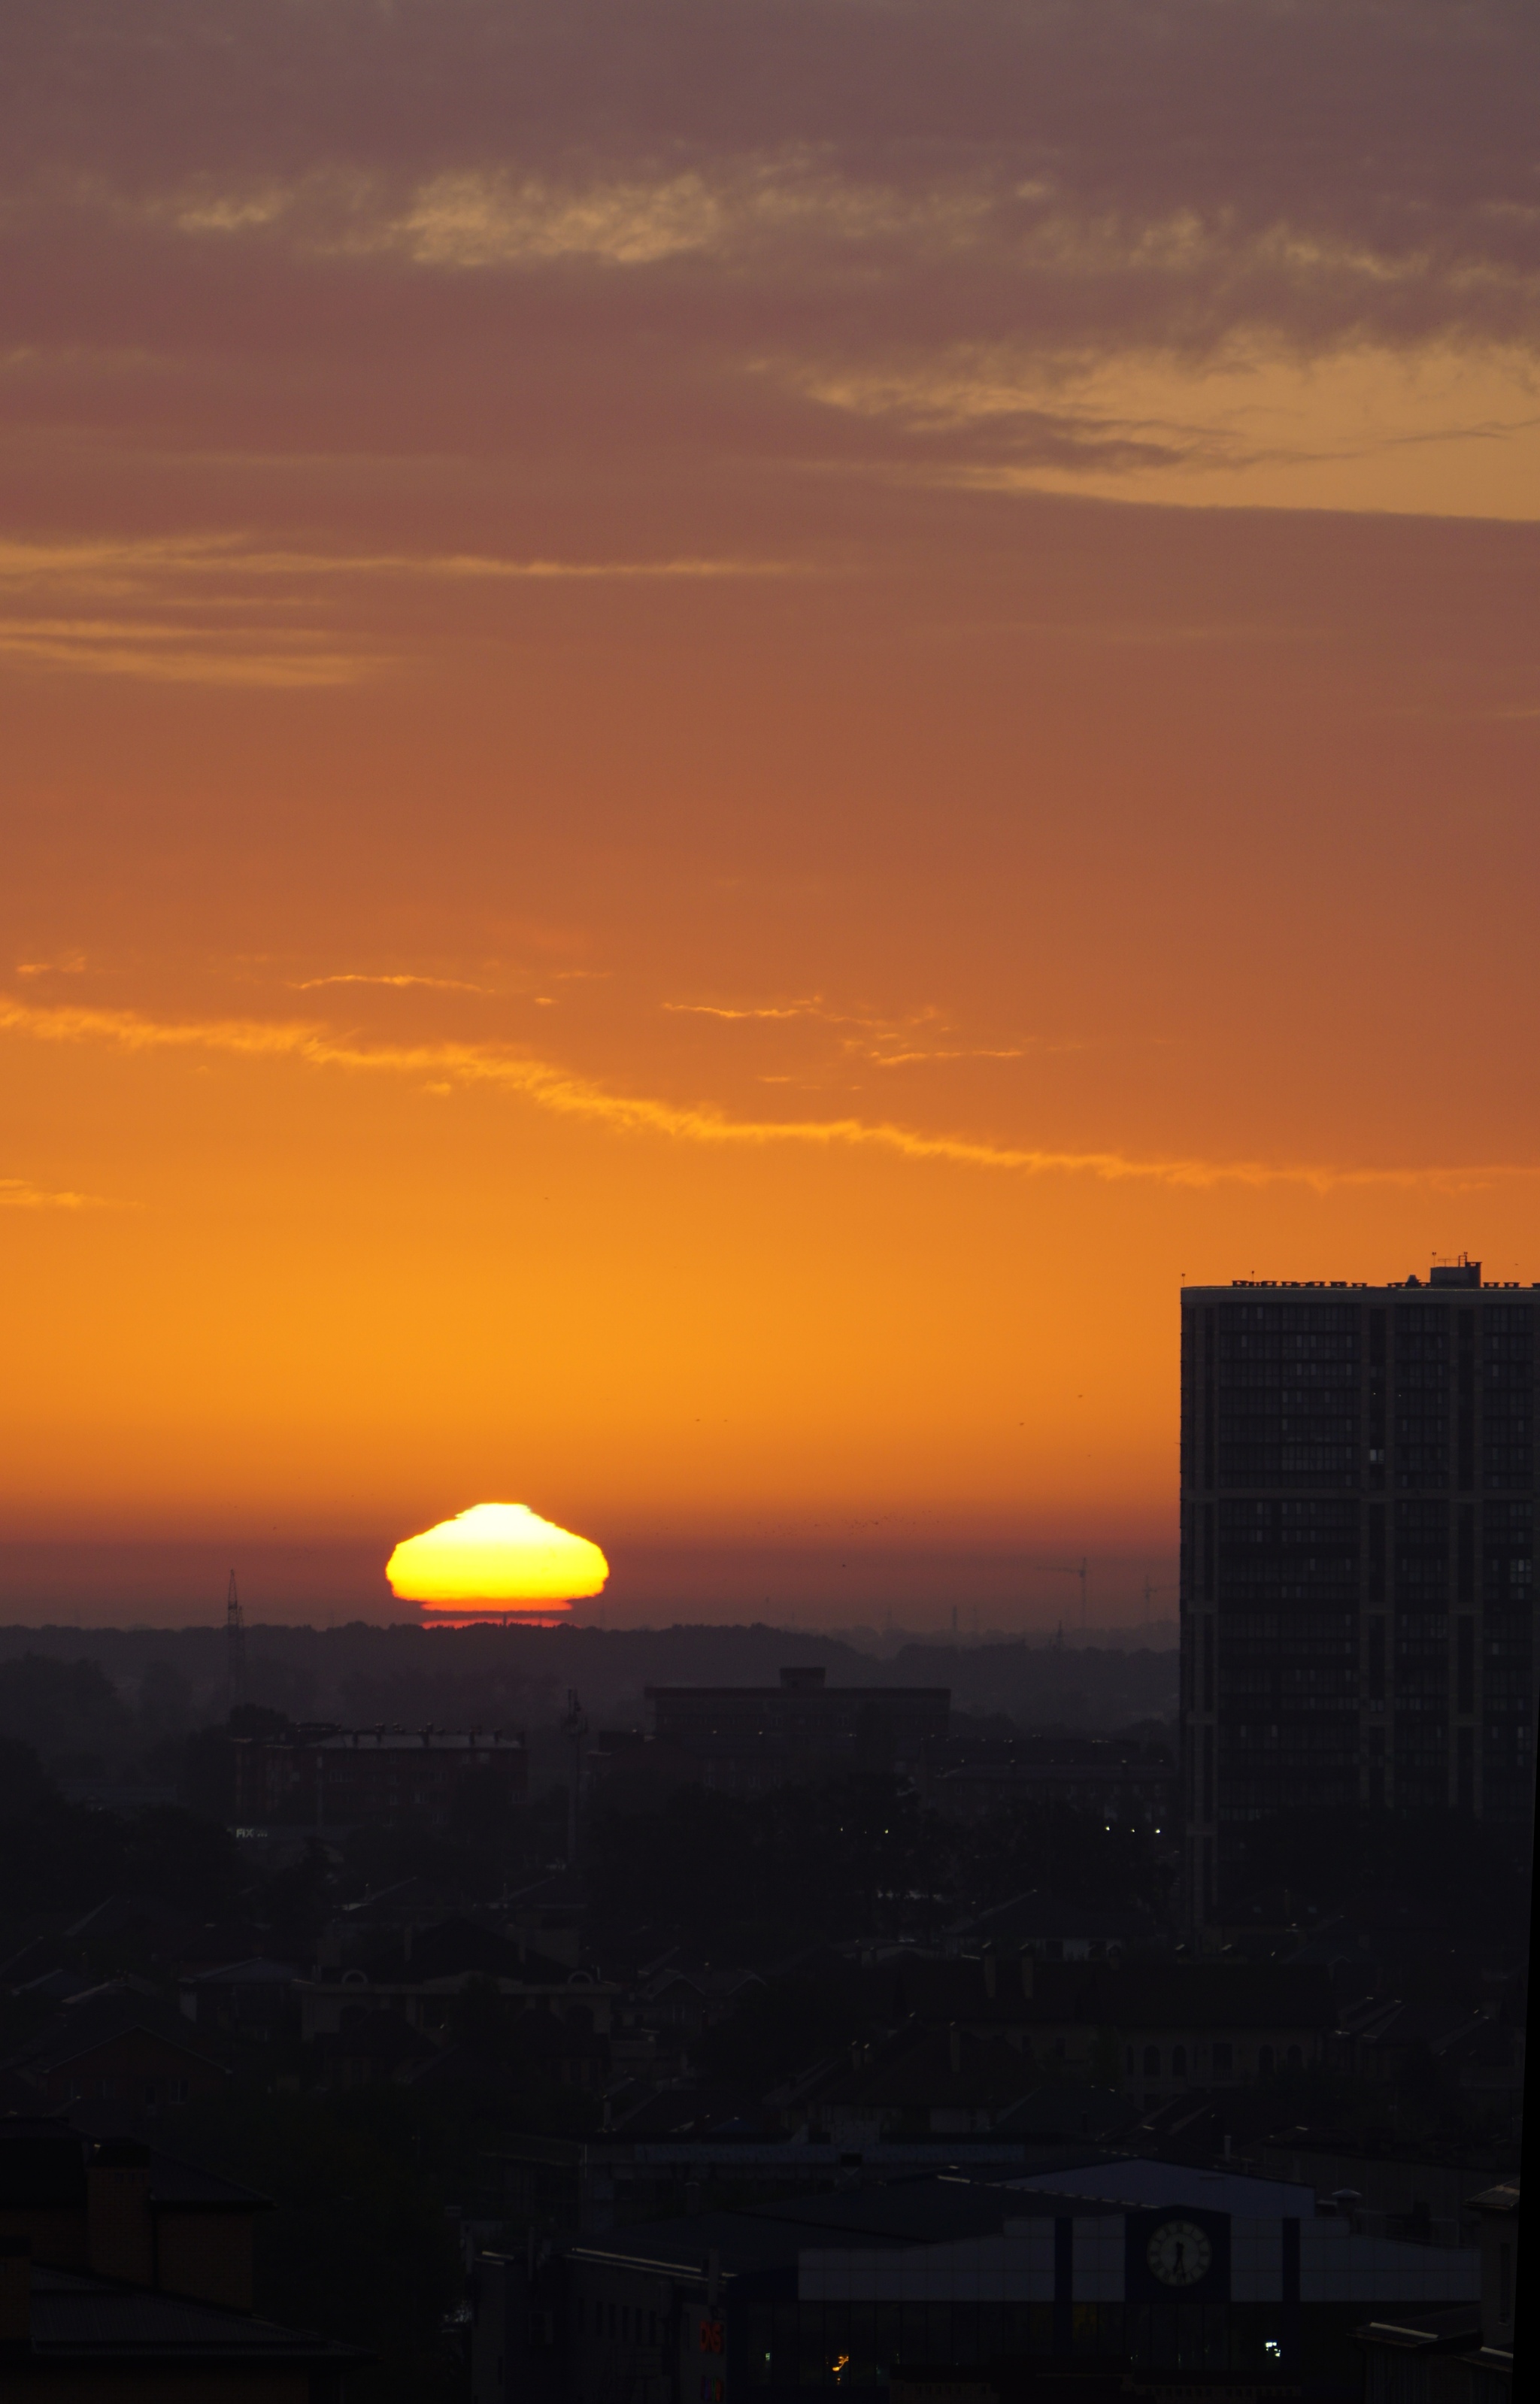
[(328, 1777), (1122, 2278), (745, 1740), (1357, 1554)]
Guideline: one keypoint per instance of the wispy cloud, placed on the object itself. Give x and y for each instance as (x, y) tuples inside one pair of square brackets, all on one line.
[(956, 1051), (875, 1037), (19, 1194), (179, 654), (71, 964), (138, 564), (211, 609), (359, 977), (812, 1008), (551, 1086)]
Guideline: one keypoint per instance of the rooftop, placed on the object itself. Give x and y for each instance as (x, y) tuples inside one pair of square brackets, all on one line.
[(81, 2318)]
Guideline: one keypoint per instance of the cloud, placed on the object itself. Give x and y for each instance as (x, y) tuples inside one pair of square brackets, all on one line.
[(137, 565), (813, 1009), (351, 977), (19, 1194), (161, 654), (876, 1036), (211, 609), (549, 1086), (808, 232)]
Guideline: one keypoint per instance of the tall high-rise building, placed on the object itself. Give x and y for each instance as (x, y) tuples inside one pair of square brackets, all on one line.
[(1358, 1497)]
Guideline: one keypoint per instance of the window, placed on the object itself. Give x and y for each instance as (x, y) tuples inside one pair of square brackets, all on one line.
[(1179, 2061), (1265, 2059), (1296, 2060), (1224, 2056), (1152, 2061)]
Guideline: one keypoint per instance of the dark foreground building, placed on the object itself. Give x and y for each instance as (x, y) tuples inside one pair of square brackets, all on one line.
[(1110, 2280), (1357, 1554), (126, 2277)]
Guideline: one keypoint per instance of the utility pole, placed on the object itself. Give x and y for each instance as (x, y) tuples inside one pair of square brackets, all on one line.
[(235, 1645)]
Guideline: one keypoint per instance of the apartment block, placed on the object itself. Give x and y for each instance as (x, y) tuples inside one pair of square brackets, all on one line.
[(1358, 1504)]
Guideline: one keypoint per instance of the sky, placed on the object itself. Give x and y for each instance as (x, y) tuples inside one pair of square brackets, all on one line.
[(724, 726)]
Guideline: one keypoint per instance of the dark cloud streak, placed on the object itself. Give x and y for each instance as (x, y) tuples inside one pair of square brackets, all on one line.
[(702, 245)]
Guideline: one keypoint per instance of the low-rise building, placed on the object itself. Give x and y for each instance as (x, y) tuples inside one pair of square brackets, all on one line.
[(118, 2047), (748, 1740), (127, 2275), (1138, 2269), (1464, 2353), (252, 1998), (1115, 1788), (1156, 2028), (335, 1778)]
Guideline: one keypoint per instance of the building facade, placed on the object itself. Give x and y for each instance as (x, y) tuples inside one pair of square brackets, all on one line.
[(1124, 2278), (333, 1778), (748, 1740), (1357, 1554)]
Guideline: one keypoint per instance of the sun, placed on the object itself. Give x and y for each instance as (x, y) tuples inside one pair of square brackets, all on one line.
[(495, 1558)]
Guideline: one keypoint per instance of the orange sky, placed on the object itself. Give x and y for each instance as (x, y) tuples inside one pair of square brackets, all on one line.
[(721, 728)]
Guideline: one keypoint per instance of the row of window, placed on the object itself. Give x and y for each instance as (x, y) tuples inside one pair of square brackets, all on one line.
[(128, 2090), (1224, 2058)]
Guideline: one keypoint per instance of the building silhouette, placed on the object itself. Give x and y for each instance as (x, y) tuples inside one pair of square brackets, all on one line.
[(746, 1740), (1357, 1554)]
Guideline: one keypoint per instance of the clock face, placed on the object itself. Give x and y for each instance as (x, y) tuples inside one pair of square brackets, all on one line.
[(1179, 2253)]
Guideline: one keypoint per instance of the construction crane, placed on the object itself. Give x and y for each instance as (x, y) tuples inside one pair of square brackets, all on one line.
[(235, 1644), (1072, 1569), (1150, 1591)]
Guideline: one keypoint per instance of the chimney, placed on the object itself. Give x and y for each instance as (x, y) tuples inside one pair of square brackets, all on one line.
[(955, 2047), (1026, 1978), (15, 2294), (119, 2232), (989, 1975)]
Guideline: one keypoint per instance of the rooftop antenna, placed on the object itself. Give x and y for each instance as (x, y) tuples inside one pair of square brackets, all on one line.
[(235, 1645)]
